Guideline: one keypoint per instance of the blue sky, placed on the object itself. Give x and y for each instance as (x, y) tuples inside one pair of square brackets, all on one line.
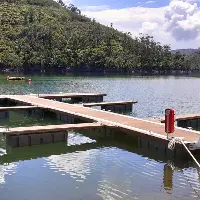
[(173, 22), (116, 4)]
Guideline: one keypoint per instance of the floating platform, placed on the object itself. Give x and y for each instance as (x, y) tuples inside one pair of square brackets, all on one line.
[(118, 106), (15, 78), (35, 135), (50, 128), (14, 108), (149, 134), (135, 125), (184, 121), (76, 97)]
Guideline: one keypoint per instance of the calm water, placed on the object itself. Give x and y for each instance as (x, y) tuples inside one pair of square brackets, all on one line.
[(84, 168)]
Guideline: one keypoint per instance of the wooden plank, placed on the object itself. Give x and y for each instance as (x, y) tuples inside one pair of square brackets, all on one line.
[(109, 103), (50, 128), (17, 108), (135, 125)]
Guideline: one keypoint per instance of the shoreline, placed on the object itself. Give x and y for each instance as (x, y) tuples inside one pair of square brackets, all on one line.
[(102, 72)]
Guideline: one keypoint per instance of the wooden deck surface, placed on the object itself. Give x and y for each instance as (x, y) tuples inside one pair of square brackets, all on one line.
[(69, 95), (139, 126), (109, 103), (50, 128), (17, 108)]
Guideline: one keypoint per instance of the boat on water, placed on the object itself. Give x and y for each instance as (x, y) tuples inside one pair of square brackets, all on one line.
[(18, 78)]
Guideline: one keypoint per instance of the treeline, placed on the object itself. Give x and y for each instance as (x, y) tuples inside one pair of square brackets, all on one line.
[(45, 35)]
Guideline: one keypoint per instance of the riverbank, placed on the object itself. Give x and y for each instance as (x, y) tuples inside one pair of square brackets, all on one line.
[(97, 72)]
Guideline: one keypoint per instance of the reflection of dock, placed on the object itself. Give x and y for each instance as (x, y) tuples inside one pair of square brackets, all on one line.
[(46, 150), (41, 151)]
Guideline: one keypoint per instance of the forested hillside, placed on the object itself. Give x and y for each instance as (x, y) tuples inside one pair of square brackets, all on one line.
[(45, 35)]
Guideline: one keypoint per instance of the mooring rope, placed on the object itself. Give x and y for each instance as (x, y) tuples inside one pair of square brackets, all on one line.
[(175, 141), (171, 146)]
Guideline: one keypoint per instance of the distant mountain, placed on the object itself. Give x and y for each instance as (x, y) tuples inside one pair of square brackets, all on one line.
[(186, 51)]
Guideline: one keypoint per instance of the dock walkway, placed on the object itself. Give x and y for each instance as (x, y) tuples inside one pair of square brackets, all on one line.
[(13, 108), (50, 128), (137, 126)]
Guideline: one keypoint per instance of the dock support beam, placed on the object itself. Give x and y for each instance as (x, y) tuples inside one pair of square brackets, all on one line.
[(4, 114), (36, 139), (194, 123), (118, 108)]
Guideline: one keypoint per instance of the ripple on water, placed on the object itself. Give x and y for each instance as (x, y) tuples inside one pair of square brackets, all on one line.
[(7, 169), (76, 164), (119, 174)]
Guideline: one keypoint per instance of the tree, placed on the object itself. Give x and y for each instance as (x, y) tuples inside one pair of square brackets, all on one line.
[(74, 9), (61, 3)]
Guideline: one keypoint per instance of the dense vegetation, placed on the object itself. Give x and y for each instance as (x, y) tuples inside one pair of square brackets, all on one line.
[(45, 35)]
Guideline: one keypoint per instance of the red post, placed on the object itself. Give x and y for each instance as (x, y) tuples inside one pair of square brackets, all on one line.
[(169, 121), (29, 80)]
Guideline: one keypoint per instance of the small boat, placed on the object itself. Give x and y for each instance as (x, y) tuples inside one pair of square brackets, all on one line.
[(18, 78)]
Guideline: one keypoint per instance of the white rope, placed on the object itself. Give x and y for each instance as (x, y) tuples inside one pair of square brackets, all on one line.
[(173, 142)]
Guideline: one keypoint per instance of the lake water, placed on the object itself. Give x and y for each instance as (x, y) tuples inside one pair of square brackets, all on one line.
[(88, 169)]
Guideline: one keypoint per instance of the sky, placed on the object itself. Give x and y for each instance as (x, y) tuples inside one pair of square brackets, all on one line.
[(173, 22)]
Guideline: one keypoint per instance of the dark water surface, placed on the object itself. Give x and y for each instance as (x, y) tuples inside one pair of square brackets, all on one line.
[(85, 168)]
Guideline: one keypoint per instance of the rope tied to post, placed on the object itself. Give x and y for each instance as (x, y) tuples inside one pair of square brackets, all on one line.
[(174, 141), (177, 140)]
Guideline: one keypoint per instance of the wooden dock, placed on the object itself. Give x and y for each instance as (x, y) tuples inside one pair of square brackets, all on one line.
[(76, 97), (50, 128), (36, 135), (118, 106), (136, 126), (185, 121), (148, 134)]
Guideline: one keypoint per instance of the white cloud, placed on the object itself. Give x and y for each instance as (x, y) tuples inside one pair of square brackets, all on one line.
[(177, 24), (150, 2), (183, 20)]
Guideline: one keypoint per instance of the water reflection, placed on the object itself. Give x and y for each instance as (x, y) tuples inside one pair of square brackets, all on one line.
[(106, 169), (7, 169), (168, 177)]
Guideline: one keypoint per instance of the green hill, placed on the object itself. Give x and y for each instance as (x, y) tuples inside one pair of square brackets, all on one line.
[(186, 51), (45, 35)]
